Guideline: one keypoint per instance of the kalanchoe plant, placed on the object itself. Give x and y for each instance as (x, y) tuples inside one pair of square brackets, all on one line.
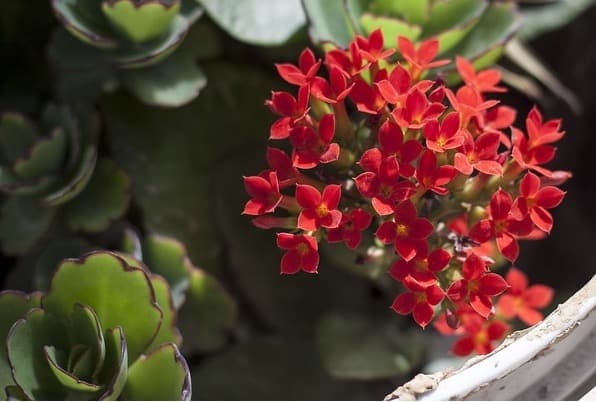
[(100, 332), (51, 170), (439, 175), (475, 29)]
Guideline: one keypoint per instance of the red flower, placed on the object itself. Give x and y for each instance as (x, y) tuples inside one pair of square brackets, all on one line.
[(420, 59), (395, 88), (502, 225), (523, 301), (423, 266), (333, 91), (372, 48), (281, 163), (319, 211), (484, 81), (264, 192), (311, 148), (533, 151), (481, 336), (303, 73), (406, 230), (366, 97), (431, 177), (469, 103), (479, 155), (477, 286), (302, 253), (443, 136), (349, 61), (498, 118), (381, 181), (417, 110), (535, 201), (291, 109), (350, 228), (391, 139), (419, 300)]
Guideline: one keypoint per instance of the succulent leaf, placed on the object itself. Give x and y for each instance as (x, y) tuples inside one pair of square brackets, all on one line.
[(116, 364), (119, 295), (168, 332), (44, 158), (143, 21), (17, 135)]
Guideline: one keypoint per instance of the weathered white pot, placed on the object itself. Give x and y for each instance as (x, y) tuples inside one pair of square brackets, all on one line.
[(553, 360)]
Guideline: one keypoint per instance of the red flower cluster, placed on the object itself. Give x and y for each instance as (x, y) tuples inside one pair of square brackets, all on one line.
[(439, 175)]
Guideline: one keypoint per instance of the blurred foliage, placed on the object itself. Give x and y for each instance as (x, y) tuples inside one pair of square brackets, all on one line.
[(127, 138)]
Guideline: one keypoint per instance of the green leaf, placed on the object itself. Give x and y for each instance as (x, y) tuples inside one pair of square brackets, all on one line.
[(140, 22), (115, 367), (167, 257), (329, 21), (537, 21), (167, 330), (171, 83), (391, 28), (57, 250), (358, 347), (17, 135), (104, 200), (208, 314), (257, 22), (413, 11), (86, 330), (159, 147), (498, 23), (22, 224), (26, 355), (65, 378), (13, 306), (45, 157), (119, 294), (84, 19), (160, 375)]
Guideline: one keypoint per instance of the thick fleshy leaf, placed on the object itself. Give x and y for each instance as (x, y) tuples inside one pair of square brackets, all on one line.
[(413, 11), (13, 306), (391, 27), (160, 375), (167, 330), (140, 22), (119, 295), (104, 199), (44, 158), (66, 379), (330, 21), (86, 330), (22, 224), (17, 135), (26, 355), (208, 314), (55, 251), (257, 22), (539, 20), (115, 367), (358, 347), (167, 257)]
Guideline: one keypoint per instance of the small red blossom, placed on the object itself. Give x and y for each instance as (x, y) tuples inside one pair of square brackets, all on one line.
[(381, 181), (423, 267), (319, 210), (419, 300), (350, 61), (391, 140), (417, 110), (264, 192), (484, 81), (523, 301), (443, 136), (433, 177), (535, 202), (311, 148), (350, 229), (479, 154), (333, 91), (470, 104), (398, 84), (291, 109), (406, 230), (281, 163), (502, 225), (302, 74), (481, 336), (372, 49), (366, 97), (420, 59), (302, 253), (477, 286)]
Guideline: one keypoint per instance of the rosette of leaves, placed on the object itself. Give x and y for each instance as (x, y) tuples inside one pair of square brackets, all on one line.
[(99, 333), (50, 170), (474, 29), (129, 42)]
